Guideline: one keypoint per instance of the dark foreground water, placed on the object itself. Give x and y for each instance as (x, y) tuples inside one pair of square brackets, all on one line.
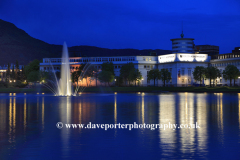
[(28, 126)]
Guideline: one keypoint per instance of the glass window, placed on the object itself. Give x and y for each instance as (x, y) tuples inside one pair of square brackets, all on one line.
[(182, 72), (189, 72)]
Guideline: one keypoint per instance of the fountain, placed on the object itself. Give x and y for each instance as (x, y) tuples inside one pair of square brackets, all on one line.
[(63, 87)]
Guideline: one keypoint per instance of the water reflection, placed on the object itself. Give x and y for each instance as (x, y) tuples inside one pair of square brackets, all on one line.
[(167, 115), (239, 109), (201, 118), (142, 110), (42, 112), (186, 117), (115, 109), (27, 116)]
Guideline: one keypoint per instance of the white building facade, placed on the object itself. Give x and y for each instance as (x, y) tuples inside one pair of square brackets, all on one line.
[(180, 64)]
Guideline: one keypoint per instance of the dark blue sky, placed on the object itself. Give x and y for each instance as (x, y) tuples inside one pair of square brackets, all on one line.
[(139, 24)]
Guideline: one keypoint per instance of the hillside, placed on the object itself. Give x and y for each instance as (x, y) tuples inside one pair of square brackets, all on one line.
[(16, 44)]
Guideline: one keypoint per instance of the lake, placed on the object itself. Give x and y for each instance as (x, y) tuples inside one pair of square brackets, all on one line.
[(35, 126)]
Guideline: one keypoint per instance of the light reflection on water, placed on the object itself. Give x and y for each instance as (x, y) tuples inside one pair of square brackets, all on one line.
[(27, 125)]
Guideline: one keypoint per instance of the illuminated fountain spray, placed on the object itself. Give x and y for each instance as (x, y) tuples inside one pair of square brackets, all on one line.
[(65, 87)]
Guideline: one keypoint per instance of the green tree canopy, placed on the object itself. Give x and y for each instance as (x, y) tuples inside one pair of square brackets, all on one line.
[(165, 76), (125, 71), (106, 76), (32, 66), (13, 73), (8, 73), (17, 75), (33, 76), (108, 67), (199, 73), (212, 73), (231, 72), (135, 75), (153, 74)]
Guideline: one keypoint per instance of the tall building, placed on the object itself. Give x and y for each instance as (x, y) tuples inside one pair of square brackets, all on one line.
[(182, 45), (206, 49)]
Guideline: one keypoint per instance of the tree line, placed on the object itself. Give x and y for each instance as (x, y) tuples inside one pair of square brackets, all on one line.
[(231, 72), (128, 74)]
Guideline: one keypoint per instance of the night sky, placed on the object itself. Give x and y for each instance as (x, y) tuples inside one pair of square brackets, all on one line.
[(138, 24)]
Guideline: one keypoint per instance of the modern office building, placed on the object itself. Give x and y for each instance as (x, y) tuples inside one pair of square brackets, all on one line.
[(206, 49)]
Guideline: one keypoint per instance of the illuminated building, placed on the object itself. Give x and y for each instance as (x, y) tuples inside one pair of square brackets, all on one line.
[(3, 70), (180, 63)]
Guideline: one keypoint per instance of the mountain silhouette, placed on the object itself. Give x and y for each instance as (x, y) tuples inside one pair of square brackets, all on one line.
[(16, 44)]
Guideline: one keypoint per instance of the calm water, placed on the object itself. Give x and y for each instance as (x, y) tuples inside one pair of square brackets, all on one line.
[(28, 126)]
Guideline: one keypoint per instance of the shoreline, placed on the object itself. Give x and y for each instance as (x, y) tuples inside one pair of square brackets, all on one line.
[(132, 90)]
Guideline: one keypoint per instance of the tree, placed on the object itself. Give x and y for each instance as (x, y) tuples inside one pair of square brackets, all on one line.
[(76, 74), (165, 75), (17, 75), (31, 67), (135, 75), (153, 74), (199, 73), (231, 72), (125, 71), (33, 76), (22, 75), (8, 73), (106, 76), (74, 77), (212, 73), (13, 73), (108, 67)]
